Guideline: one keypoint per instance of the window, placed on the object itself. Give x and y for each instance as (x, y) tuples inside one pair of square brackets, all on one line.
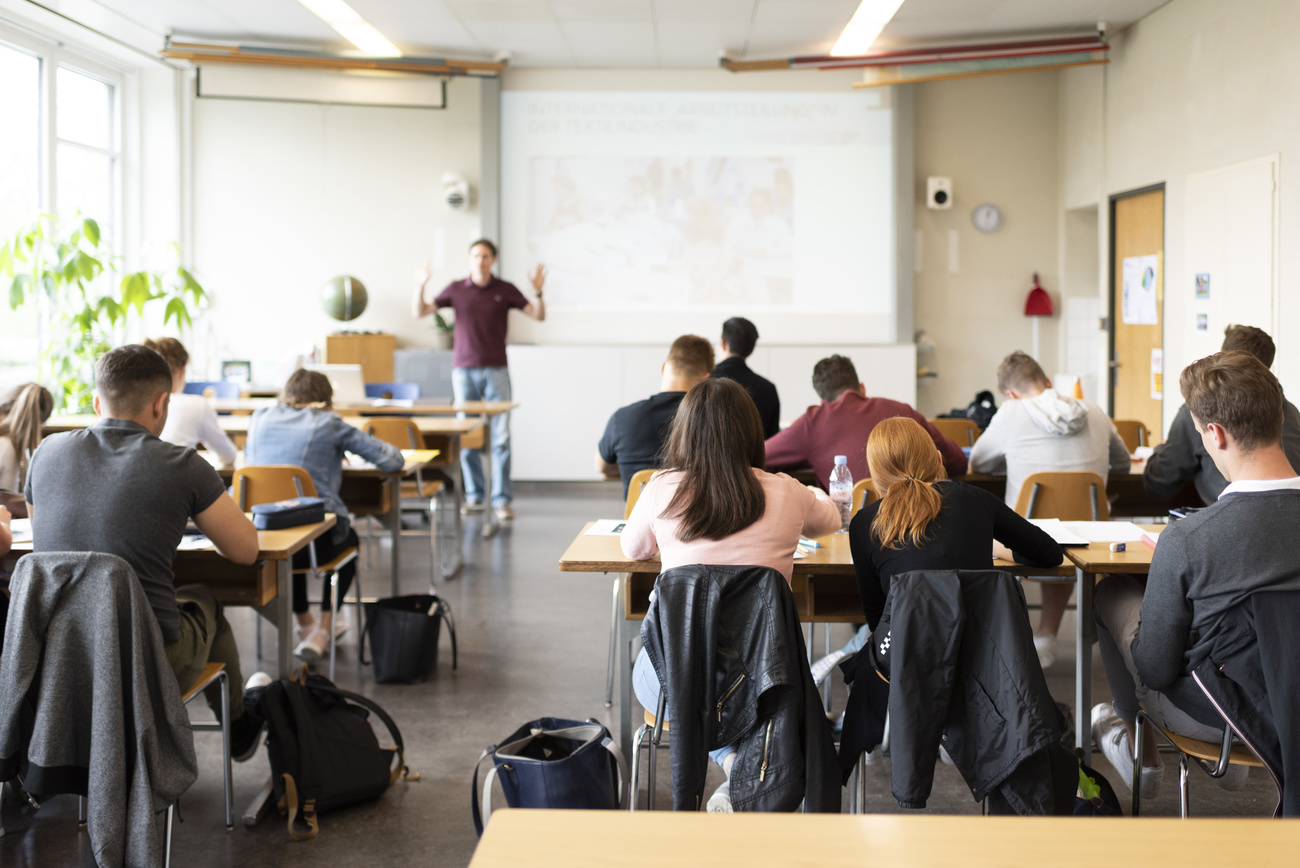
[(59, 154)]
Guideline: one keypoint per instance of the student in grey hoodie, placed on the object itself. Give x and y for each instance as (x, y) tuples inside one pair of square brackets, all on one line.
[(1039, 430)]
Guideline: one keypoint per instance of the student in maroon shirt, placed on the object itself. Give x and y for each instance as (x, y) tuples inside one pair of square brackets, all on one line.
[(482, 303), (841, 424)]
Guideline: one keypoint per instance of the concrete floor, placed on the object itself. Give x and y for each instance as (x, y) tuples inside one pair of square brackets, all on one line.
[(533, 643)]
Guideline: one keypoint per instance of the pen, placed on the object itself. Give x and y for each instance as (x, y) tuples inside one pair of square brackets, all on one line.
[(810, 543)]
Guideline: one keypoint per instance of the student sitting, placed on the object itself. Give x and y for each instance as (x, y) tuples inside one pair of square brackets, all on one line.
[(924, 521), (117, 488), (303, 430), (714, 504), (6, 534), (191, 419), (1204, 566), (635, 434), (1038, 430), (1183, 456), (738, 338), (23, 413), (841, 424)]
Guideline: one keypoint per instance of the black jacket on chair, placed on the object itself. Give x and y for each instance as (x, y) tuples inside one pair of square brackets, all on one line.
[(727, 647), (958, 650), (1252, 677)]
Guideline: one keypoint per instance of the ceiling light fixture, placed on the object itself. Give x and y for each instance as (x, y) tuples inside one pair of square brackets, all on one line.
[(352, 27), (863, 27)]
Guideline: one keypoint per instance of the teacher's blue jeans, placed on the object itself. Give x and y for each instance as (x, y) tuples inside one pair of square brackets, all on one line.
[(645, 684), (486, 384)]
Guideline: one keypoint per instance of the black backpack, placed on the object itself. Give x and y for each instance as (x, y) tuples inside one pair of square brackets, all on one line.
[(323, 751)]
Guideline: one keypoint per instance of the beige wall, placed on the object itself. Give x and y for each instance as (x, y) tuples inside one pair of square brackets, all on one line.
[(996, 137), (1194, 86)]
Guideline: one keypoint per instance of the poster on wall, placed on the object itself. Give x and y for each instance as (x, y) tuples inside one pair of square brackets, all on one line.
[(1202, 322), (1139, 305), (1157, 374), (1203, 287)]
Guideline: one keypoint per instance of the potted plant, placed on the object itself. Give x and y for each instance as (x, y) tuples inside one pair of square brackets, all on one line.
[(442, 331), (88, 306)]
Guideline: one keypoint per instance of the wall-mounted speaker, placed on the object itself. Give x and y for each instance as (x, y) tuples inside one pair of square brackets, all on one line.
[(938, 193)]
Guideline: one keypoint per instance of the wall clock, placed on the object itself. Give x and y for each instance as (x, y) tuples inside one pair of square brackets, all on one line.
[(987, 217)]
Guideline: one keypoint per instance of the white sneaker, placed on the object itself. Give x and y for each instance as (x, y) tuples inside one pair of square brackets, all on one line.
[(1112, 740), (943, 756), (1046, 648), (821, 668), (300, 632), (471, 506), (873, 756), (314, 647), (505, 512), (720, 801), (257, 679)]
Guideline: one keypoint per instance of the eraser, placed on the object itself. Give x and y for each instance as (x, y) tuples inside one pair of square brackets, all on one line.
[(1117, 547)]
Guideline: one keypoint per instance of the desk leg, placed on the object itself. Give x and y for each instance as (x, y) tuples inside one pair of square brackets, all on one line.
[(395, 528), (628, 632), (490, 525), (261, 804), (1085, 636), (451, 549), (283, 619)]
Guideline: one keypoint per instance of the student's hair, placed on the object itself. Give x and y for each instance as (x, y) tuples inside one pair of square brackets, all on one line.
[(1020, 372), (691, 356), (1251, 340), (1236, 390), (130, 377), (740, 335), (308, 389), (492, 248), (716, 441), (833, 376), (23, 413), (170, 349), (904, 466)]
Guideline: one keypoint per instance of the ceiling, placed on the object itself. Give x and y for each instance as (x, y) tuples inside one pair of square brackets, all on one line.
[(619, 33)]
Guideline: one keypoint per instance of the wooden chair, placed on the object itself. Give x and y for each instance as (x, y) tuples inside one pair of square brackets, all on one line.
[(427, 495), (963, 432), (864, 492), (267, 483), (1075, 495), (1214, 758), (1133, 432), (639, 480)]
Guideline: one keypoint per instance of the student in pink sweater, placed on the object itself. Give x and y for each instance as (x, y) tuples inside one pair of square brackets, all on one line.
[(716, 505)]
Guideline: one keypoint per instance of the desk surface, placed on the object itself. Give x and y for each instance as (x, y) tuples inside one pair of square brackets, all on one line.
[(604, 554), (476, 408), (1098, 558), (233, 425), (416, 459), (659, 839)]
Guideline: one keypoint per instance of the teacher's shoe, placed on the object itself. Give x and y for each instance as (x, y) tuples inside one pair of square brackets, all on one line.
[(505, 513), (471, 506)]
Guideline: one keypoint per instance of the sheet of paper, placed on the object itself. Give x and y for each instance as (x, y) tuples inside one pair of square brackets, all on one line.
[(607, 527), (419, 455), (1140, 305), (194, 543), (1056, 529), (392, 402), (21, 528), (1106, 531)]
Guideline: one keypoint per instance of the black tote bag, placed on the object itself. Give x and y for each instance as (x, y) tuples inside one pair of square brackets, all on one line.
[(403, 634)]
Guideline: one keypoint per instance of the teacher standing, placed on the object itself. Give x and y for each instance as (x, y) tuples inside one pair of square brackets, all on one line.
[(482, 303)]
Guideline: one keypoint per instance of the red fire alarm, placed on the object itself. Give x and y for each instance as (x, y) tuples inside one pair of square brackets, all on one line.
[(1039, 303)]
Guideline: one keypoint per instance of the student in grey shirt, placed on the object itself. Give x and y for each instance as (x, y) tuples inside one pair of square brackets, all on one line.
[(1038, 430), (115, 487), (1203, 566), (1182, 456)]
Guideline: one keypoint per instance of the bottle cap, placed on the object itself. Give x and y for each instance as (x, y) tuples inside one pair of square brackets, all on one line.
[(841, 459)]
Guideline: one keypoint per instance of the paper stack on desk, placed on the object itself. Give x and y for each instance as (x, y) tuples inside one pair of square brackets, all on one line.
[(1056, 529), (1106, 531)]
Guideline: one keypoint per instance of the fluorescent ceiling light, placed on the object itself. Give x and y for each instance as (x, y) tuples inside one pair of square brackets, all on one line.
[(863, 27), (352, 27)]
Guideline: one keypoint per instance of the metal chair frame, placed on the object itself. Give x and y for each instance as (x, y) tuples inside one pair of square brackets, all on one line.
[(1214, 768), (656, 732)]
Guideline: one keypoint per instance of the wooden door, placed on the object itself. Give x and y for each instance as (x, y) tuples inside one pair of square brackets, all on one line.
[(1137, 308)]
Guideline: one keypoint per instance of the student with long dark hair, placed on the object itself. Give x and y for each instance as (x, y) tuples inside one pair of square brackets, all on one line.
[(715, 504)]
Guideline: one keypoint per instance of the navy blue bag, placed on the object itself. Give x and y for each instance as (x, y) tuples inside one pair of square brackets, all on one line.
[(552, 763), (294, 512)]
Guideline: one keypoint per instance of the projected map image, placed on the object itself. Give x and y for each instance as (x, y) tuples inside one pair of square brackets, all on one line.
[(623, 233)]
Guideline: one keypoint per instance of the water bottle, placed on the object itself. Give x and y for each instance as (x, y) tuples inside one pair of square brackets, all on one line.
[(842, 490)]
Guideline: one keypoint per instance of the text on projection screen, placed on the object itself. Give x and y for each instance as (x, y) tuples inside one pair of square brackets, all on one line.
[(735, 201)]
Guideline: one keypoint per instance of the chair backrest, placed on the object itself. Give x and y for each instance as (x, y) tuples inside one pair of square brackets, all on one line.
[(396, 391), (267, 483), (864, 492), (1133, 432), (399, 431), (213, 389), (1076, 495), (639, 479), (963, 432)]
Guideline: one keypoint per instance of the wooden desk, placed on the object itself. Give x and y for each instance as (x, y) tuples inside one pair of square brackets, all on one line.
[(824, 585), (666, 839), (246, 405), (266, 584), (366, 490), (1130, 498)]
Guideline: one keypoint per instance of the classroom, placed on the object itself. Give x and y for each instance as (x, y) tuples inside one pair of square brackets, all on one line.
[(522, 430)]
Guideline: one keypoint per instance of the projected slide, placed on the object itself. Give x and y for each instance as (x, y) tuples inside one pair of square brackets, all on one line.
[(683, 201)]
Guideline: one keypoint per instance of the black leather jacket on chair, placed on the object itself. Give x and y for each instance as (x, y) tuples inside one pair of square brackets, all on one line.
[(730, 656)]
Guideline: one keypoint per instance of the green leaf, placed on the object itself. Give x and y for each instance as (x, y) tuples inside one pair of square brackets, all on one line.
[(18, 290), (176, 308), (6, 260), (92, 230)]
